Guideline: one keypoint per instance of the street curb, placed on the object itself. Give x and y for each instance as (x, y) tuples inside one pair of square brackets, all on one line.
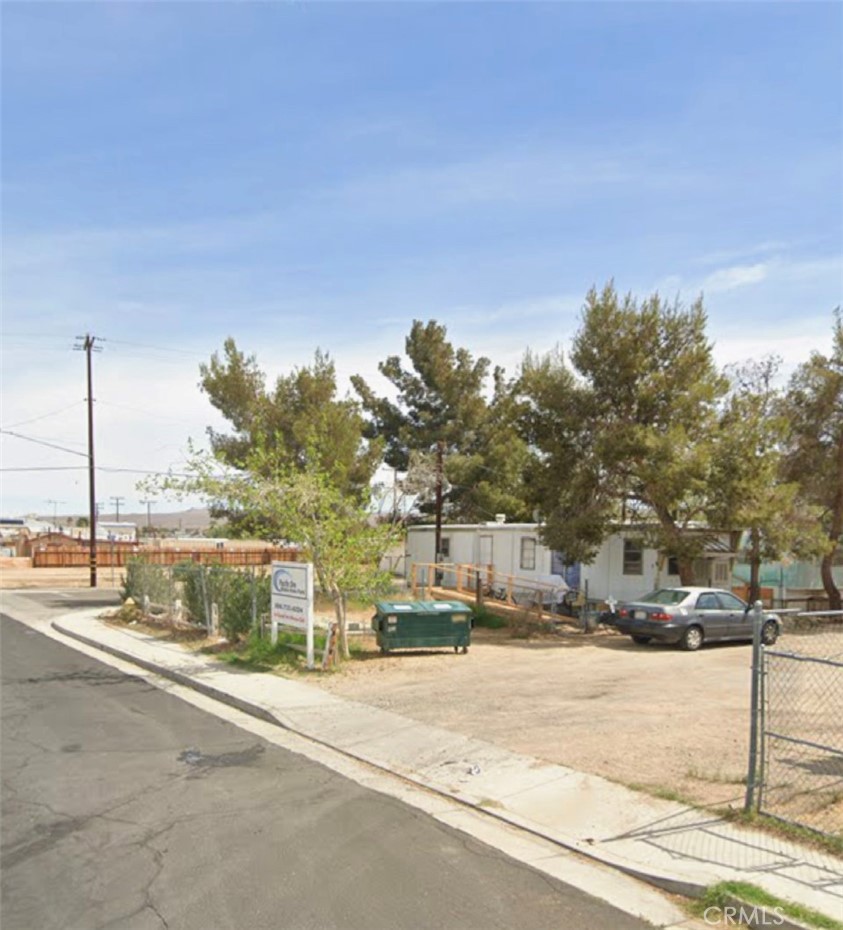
[(255, 710), (671, 884)]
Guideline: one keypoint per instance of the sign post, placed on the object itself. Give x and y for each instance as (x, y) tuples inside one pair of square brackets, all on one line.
[(292, 600)]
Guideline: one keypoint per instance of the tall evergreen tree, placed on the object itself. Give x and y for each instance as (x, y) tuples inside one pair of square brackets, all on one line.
[(748, 491), (625, 433), (814, 407), (440, 400), (301, 421), (300, 425)]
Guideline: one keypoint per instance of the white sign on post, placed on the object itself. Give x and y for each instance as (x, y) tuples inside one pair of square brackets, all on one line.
[(292, 600)]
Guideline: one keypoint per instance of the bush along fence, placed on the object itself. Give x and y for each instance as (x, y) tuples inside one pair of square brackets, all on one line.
[(221, 599), (796, 742)]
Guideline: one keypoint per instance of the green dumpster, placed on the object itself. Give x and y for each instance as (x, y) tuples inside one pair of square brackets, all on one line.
[(421, 624)]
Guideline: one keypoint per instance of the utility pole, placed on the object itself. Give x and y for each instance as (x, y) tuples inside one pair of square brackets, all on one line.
[(117, 501), (55, 516), (148, 514), (440, 452), (89, 346)]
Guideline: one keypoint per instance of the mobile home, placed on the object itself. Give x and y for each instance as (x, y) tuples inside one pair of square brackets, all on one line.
[(622, 569)]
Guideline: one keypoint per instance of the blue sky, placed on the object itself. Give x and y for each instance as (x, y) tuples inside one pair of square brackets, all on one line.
[(315, 174)]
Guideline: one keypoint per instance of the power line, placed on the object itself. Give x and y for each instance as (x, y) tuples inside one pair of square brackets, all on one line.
[(10, 345), (44, 416), (45, 468), (146, 345), (41, 442), (28, 335), (106, 469), (141, 471), (103, 339), (149, 413)]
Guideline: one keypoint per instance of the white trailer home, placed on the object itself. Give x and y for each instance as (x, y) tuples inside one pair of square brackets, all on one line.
[(622, 569)]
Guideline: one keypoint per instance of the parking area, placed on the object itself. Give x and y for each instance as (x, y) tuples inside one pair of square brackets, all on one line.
[(645, 716)]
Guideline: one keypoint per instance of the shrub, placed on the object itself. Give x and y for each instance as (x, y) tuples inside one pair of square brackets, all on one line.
[(482, 616), (189, 579), (229, 589), (233, 592), (145, 580)]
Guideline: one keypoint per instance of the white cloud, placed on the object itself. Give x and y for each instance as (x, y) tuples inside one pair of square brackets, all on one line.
[(727, 279), (792, 346), (729, 256)]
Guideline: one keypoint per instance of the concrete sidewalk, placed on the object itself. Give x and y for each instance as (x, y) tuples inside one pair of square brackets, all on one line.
[(677, 848)]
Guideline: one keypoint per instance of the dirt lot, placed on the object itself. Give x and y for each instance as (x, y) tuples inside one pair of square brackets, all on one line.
[(18, 573), (641, 715)]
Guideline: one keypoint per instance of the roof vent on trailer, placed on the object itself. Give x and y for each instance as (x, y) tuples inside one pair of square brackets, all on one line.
[(500, 518)]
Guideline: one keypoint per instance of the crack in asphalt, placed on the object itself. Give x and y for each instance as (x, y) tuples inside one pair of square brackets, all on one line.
[(54, 832), (205, 761), (88, 676)]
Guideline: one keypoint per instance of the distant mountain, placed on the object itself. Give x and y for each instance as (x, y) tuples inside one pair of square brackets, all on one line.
[(197, 518), (194, 520)]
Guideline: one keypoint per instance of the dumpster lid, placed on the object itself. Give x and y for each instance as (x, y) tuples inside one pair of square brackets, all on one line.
[(427, 607), (395, 607), (454, 607)]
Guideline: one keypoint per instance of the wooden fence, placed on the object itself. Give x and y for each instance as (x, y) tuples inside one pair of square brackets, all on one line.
[(119, 556), (482, 582)]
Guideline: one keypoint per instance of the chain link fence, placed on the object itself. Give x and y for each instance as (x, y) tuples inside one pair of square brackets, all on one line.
[(215, 597), (801, 726)]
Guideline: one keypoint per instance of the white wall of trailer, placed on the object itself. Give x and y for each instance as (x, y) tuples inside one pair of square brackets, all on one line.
[(496, 544), (607, 575), (501, 545)]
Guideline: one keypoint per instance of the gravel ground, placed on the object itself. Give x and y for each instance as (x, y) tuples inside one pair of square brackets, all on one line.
[(640, 715)]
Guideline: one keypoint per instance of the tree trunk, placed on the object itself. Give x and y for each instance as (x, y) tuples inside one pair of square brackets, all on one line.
[(835, 530), (673, 535), (754, 566), (340, 611), (686, 570), (831, 589)]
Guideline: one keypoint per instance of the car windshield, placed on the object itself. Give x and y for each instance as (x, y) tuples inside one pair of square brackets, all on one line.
[(665, 596)]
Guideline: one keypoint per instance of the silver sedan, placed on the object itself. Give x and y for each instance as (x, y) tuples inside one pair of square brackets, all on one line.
[(691, 616)]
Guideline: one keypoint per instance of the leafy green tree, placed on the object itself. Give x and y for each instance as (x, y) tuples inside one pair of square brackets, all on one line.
[(625, 434), (814, 407), (299, 424), (577, 499), (441, 397), (331, 526), (747, 488)]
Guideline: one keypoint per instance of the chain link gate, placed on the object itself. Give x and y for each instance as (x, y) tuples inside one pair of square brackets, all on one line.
[(796, 752)]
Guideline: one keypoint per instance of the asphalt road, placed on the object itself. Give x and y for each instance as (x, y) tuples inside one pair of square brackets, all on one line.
[(124, 807)]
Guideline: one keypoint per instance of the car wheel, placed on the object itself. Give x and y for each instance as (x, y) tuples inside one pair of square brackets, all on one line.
[(692, 638), (641, 640), (769, 633)]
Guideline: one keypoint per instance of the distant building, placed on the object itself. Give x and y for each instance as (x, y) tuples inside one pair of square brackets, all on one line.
[(108, 531)]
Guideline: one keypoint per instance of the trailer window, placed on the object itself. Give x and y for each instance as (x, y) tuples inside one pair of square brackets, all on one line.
[(528, 553), (633, 558)]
